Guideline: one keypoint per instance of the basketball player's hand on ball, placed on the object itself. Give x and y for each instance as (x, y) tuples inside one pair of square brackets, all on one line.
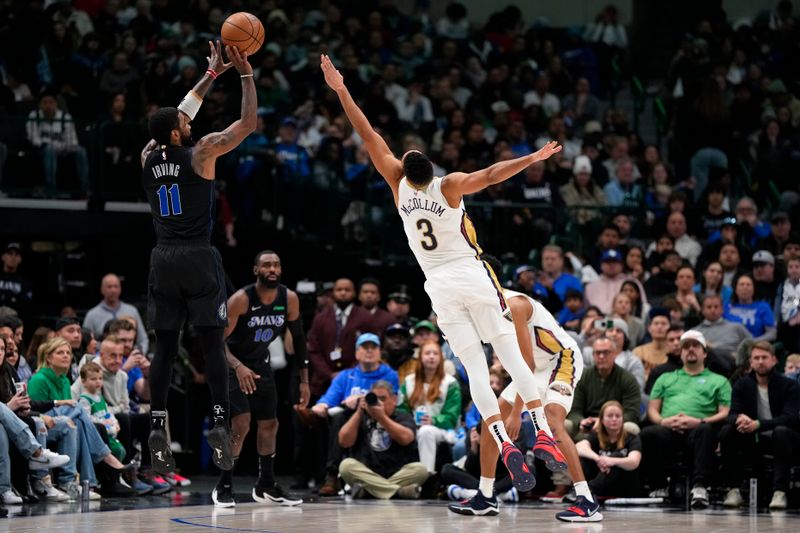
[(215, 61), (547, 150), (239, 60), (332, 76), (247, 379)]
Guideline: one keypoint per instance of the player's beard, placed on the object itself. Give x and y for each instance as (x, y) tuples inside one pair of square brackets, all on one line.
[(269, 283), (186, 140)]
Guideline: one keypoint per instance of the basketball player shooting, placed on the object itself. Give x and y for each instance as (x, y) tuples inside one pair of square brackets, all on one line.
[(464, 291), (186, 275)]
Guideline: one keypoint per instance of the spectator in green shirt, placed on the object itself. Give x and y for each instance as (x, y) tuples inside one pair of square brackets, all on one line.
[(686, 407), (602, 382)]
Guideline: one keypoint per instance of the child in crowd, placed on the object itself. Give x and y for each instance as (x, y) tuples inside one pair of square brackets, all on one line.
[(94, 404), (573, 310), (792, 365)]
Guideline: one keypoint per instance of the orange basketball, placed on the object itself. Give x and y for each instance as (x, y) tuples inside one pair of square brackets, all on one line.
[(244, 31)]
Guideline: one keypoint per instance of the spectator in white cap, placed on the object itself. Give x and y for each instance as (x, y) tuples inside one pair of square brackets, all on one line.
[(764, 277), (583, 191), (686, 407)]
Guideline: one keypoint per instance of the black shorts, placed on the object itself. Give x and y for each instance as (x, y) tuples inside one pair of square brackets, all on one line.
[(263, 403), (186, 281)]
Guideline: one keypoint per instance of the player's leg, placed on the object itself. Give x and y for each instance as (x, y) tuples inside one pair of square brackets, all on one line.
[(160, 380), (484, 503), (216, 372), (222, 495), (264, 403)]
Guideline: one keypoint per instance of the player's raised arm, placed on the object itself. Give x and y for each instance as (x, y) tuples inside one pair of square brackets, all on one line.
[(384, 160), (215, 144), (460, 183)]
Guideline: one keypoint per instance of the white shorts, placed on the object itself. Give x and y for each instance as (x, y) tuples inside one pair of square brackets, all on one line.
[(469, 304), (555, 380)]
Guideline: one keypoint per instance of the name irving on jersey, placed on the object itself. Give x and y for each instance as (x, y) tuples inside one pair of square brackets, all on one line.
[(415, 204), (166, 169)]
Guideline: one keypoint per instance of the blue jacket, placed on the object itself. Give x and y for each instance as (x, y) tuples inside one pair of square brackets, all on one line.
[(354, 381)]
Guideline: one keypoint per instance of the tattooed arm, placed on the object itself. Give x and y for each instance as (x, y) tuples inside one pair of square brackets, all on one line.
[(213, 145)]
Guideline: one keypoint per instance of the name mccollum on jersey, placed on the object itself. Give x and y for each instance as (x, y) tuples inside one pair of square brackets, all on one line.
[(268, 320), (415, 204), (166, 169)]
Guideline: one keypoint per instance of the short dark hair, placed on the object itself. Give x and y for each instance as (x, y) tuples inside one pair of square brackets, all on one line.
[(112, 327), (572, 293), (493, 262), (262, 252), (676, 326), (161, 124), (90, 368), (417, 168), (369, 281), (611, 226)]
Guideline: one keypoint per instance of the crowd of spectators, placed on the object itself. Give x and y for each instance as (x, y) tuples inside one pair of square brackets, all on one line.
[(685, 277)]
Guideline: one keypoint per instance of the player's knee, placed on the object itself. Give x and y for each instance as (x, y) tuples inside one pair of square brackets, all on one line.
[(556, 415), (268, 427)]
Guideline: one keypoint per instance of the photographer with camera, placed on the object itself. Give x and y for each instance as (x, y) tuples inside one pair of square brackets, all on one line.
[(602, 382), (384, 461), (343, 396)]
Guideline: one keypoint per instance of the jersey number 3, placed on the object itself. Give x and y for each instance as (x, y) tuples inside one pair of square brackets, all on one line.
[(169, 200), (429, 242)]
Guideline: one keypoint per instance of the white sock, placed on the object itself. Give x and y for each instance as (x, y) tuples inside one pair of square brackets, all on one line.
[(540, 420), (582, 489), (498, 432), (486, 486)]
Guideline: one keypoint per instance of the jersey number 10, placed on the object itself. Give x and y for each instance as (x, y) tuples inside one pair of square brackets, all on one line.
[(169, 200)]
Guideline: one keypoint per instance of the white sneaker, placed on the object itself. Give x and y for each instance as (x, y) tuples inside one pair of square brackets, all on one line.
[(733, 498), (458, 493), (778, 500), (509, 496), (659, 493), (699, 497), (44, 489), (47, 460), (10, 497)]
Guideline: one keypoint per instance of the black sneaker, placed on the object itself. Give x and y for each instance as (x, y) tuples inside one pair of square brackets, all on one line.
[(222, 495), (275, 495), (160, 453), (219, 439), (478, 505)]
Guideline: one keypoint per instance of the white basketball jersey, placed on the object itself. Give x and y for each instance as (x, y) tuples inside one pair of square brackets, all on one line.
[(437, 233), (547, 336)]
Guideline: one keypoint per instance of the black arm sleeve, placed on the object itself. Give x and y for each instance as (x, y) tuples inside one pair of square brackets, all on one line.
[(299, 340)]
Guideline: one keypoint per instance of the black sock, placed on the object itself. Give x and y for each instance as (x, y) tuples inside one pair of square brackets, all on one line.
[(226, 476), (158, 420), (265, 472)]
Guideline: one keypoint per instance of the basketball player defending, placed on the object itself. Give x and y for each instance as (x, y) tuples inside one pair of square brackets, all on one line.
[(558, 365), (257, 315), (464, 291), (186, 275)]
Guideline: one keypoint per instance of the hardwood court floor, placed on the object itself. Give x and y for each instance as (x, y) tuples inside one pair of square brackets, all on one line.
[(374, 516)]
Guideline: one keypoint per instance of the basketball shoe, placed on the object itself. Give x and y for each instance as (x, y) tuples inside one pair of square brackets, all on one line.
[(582, 511), (478, 505), (219, 439), (523, 478), (547, 450)]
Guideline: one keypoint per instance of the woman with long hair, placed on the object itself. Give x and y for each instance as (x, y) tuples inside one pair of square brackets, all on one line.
[(639, 305), (50, 383), (634, 263), (622, 307), (611, 456), (711, 282), (687, 296), (40, 335), (756, 316), (434, 398)]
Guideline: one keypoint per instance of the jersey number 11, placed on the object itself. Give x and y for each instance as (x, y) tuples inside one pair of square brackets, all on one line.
[(169, 200)]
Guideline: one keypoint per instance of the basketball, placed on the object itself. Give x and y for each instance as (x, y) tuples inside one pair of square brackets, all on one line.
[(244, 31)]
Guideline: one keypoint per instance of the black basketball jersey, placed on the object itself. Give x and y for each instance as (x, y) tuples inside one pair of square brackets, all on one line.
[(182, 203), (258, 327)]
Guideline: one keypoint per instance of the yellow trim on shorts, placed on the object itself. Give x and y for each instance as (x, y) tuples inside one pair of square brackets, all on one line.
[(547, 341), (564, 371)]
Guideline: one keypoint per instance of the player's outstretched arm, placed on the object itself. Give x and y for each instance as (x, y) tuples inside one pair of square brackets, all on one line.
[(460, 183), (384, 160), (216, 66), (216, 144)]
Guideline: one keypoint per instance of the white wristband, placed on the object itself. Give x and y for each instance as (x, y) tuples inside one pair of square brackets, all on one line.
[(190, 104)]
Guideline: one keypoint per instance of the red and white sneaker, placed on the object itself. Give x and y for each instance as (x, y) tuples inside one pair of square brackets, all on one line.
[(177, 480), (524, 480), (547, 450)]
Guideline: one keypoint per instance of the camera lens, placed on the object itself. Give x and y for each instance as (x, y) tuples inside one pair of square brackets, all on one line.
[(371, 398)]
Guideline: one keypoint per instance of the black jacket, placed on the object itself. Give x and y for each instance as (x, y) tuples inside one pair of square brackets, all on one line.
[(784, 401)]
